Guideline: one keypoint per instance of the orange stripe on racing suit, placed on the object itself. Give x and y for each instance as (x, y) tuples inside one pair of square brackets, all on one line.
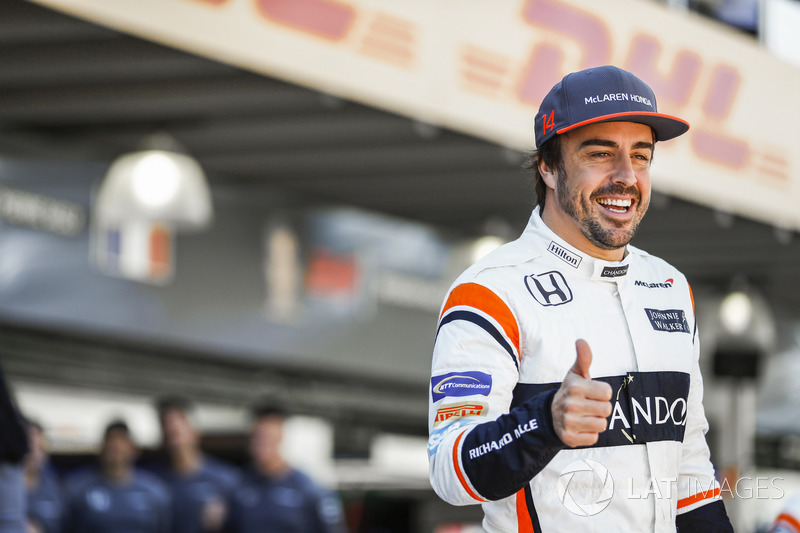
[(700, 496), (485, 300), (460, 474), (524, 522), (788, 519)]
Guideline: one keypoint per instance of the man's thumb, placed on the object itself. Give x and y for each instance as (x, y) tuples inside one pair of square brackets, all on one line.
[(583, 360)]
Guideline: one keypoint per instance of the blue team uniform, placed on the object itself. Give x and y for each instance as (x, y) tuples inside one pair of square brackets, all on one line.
[(214, 480), (45, 502), (291, 503), (97, 505)]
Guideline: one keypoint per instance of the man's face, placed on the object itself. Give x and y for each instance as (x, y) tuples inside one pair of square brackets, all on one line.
[(38, 454), (265, 440), (604, 189), (118, 449), (177, 430)]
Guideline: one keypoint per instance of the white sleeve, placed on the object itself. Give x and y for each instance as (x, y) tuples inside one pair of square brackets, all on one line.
[(475, 454), (697, 485)]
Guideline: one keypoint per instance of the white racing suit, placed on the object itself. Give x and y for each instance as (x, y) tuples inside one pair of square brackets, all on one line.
[(505, 342), (788, 521)]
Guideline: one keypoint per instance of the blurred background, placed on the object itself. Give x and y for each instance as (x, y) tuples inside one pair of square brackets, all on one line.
[(222, 199)]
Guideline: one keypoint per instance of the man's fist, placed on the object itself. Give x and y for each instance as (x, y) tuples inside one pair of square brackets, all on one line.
[(581, 406)]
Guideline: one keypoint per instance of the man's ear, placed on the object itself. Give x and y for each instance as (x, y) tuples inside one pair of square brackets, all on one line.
[(547, 174)]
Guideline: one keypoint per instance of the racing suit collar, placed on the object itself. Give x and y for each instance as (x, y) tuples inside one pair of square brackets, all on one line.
[(562, 253)]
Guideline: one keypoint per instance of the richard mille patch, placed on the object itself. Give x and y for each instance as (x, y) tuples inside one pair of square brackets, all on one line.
[(669, 320)]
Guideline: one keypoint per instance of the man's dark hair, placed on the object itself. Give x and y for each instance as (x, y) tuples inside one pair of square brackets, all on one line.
[(269, 407), (168, 403), (550, 154), (34, 424), (117, 425)]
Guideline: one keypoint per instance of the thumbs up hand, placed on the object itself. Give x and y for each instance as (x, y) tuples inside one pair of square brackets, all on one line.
[(580, 406)]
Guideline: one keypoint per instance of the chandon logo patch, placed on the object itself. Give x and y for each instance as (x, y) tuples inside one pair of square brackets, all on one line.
[(614, 272)]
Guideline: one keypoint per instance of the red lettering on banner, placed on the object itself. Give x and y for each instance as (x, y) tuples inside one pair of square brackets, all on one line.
[(390, 39), (543, 67), (773, 169), (323, 18), (706, 142), (590, 32), (675, 87), (722, 92), (719, 148), (483, 71)]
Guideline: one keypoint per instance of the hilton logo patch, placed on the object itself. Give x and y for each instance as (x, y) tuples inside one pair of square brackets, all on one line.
[(669, 320), (564, 254)]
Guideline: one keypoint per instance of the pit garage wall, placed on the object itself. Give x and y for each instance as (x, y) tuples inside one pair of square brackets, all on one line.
[(482, 67), (273, 281)]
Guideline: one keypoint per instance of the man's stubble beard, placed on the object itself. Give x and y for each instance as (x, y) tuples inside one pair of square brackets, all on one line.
[(591, 228)]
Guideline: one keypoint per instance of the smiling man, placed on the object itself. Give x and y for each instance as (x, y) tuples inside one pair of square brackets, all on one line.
[(566, 393)]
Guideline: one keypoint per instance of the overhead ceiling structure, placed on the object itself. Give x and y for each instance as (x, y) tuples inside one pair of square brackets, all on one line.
[(71, 90)]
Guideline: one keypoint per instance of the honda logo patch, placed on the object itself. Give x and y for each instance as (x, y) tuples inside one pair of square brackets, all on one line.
[(549, 288)]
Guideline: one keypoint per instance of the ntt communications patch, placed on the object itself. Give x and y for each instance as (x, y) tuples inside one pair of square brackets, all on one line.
[(460, 384)]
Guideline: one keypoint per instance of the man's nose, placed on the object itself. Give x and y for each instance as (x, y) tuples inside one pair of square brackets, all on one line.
[(624, 173)]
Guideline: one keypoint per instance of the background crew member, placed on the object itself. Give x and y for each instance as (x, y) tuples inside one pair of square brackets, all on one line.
[(13, 447), (116, 496), (45, 505), (273, 496), (199, 485), (788, 521)]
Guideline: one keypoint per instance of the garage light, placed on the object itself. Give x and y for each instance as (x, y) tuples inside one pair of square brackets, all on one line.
[(736, 312), (155, 185)]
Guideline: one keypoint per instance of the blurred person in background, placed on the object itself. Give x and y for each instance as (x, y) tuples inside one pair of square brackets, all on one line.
[(200, 485), (13, 447), (788, 520), (44, 500), (116, 497), (273, 496)]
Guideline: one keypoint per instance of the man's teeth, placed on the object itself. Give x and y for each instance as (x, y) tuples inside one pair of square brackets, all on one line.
[(609, 202)]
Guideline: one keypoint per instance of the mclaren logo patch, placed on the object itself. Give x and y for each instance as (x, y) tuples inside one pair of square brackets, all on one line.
[(667, 284)]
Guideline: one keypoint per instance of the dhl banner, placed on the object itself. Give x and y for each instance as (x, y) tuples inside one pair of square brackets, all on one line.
[(482, 66)]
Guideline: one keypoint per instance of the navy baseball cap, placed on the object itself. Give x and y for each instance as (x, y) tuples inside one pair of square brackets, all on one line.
[(602, 94)]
